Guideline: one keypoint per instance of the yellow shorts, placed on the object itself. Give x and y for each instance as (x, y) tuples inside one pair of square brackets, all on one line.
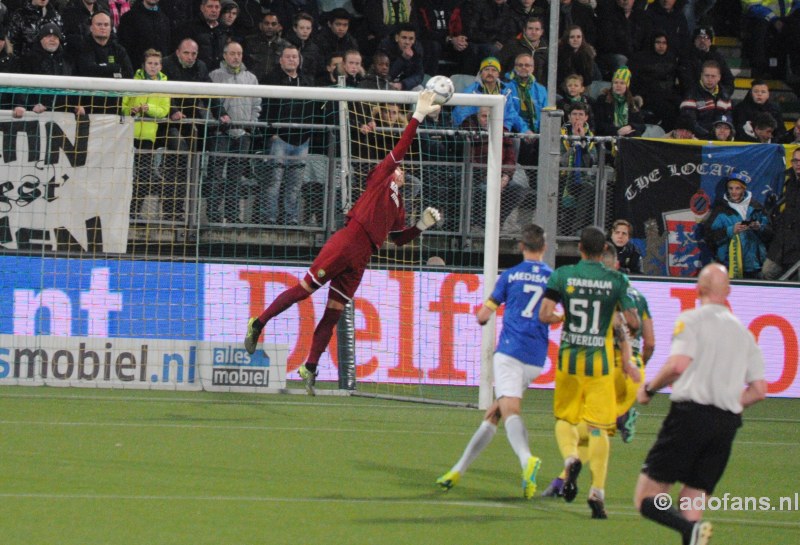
[(592, 399), (626, 389)]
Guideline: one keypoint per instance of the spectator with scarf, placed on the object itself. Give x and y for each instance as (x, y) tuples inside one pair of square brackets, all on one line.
[(618, 112), (739, 229)]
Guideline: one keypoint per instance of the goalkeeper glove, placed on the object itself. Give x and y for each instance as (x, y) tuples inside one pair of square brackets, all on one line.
[(430, 217), (425, 105)]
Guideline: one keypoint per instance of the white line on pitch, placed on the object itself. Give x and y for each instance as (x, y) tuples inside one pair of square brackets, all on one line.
[(255, 499)]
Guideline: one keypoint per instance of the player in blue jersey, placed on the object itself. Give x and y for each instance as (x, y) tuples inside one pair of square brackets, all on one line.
[(518, 359)]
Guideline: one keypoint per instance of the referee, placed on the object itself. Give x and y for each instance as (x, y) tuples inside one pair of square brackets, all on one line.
[(713, 356)]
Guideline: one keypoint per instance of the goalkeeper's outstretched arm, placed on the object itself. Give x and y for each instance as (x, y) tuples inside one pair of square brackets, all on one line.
[(430, 217)]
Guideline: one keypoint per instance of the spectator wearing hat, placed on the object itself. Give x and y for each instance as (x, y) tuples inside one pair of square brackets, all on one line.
[(24, 25), (706, 101), (757, 101), (617, 112), (77, 16), (701, 51), (489, 83), (684, 128), (45, 58), (145, 27), (654, 71), (784, 250), (723, 130), (739, 229), (335, 35)]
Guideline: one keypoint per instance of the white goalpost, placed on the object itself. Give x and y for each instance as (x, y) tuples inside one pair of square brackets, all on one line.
[(113, 285)]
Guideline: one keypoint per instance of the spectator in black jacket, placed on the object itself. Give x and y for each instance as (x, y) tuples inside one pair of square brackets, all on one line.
[(144, 27), (654, 73), (45, 58), (441, 33), (263, 48), (700, 52), (183, 137), (576, 56), (490, 24), (757, 102), (784, 250), (405, 55), (289, 146), (311, 60), (335, 36), (524, 10), (617, 112), (668, 17), (102, 56), (382, 19), (378, 74), (623, 29), (208, 32), (77, 16), (530, 40), (24, 24), (577, 13), (628, 257)]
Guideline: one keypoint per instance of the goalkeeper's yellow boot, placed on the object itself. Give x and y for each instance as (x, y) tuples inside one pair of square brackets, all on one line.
[(448, 480), (309, 379), (529, 477), (251, 339)]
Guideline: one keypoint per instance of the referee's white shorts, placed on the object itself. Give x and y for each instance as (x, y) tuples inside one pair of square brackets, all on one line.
[(511, 376)]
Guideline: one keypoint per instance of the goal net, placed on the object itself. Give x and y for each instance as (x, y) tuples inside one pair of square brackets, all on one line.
[(142, 228)]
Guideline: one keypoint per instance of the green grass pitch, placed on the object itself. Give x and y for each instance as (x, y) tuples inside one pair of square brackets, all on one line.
[(85, 466)]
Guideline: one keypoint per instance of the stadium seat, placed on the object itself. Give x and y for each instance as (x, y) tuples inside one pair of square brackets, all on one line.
[(462, 81)]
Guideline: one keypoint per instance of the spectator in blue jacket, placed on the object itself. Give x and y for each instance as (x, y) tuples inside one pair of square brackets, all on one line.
[(490, 84), (739, 229)]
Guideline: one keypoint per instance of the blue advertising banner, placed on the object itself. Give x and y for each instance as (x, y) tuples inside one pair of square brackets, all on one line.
[(101, 298)]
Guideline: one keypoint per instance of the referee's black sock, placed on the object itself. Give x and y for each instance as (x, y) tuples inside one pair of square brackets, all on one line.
[(668, 517)]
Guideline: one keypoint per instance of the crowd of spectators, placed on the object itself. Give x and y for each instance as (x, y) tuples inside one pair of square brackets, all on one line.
[(657, 58)]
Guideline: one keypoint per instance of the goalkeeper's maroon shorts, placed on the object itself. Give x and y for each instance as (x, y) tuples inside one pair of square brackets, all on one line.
[(341, 262)]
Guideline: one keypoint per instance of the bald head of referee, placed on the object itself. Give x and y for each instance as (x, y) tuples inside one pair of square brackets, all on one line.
[(713, 285)]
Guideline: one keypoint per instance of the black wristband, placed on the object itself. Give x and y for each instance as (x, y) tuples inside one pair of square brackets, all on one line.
[(648, 391)]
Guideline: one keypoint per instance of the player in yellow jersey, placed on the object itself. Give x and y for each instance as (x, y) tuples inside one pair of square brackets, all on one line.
[(590, 294)]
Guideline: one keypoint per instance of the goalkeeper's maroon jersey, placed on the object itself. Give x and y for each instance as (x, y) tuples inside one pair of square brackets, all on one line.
[(380, 209)]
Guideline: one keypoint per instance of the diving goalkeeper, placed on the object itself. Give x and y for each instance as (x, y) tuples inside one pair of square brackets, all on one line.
[(377, 213)]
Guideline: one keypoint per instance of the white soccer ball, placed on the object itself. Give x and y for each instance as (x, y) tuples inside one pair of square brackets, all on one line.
[(443, 87)]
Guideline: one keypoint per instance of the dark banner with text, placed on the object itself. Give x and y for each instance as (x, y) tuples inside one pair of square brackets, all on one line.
[(666, 190)]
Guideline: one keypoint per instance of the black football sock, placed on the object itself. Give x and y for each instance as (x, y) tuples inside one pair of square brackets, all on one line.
[(668, 517)]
